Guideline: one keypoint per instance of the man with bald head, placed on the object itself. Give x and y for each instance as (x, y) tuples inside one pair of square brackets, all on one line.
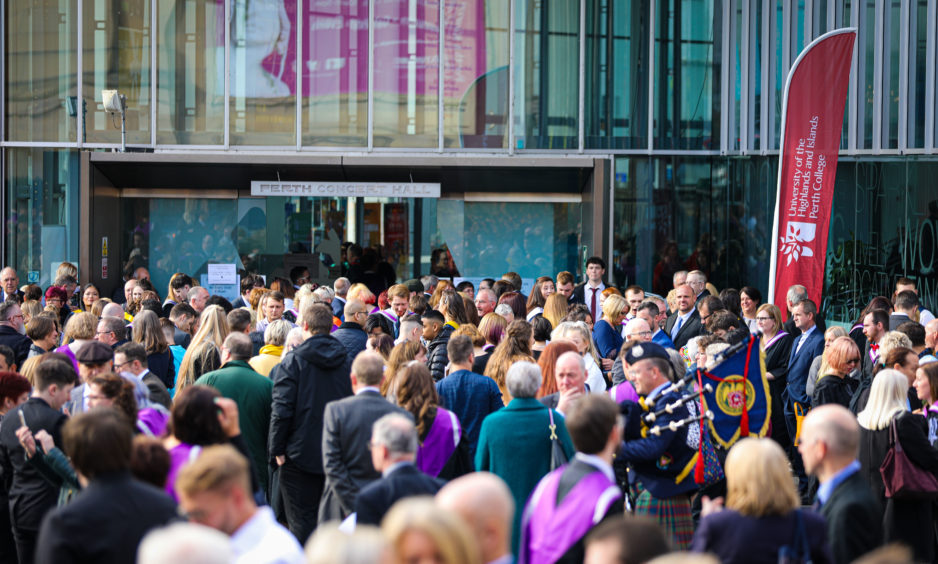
[(829, 445), (684, 324), (931, 336), (638, 330), (484, 502), (570, 375)]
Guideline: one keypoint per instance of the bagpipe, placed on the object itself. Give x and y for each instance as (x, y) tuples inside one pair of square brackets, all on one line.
[(675, 425)]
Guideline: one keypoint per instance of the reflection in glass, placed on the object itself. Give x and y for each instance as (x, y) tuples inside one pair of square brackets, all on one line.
[(475, 90), (406, 75), (263, 72), (335, 73), (687, 89), (190, 72), (617, 74), (546, 74), (42, 212), (41, 71), (116, 56)]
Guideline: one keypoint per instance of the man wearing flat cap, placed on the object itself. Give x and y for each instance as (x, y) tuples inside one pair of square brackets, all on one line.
[(93, 358), (663, 463)]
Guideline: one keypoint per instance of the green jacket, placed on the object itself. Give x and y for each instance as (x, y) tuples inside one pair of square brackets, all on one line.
[(514, 444), (252, 392)]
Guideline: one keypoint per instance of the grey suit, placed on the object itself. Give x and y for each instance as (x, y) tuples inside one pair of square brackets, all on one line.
[(157, 390), (76, 404), (346, 456)]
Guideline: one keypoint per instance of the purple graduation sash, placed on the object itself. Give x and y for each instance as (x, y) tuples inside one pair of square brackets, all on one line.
[(775, 339), (179, 456), (151, 422), (549, 530), (622, 392), (440, 443)]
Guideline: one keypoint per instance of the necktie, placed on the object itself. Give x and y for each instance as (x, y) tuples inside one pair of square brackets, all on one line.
[(593, 305), (677, 328)]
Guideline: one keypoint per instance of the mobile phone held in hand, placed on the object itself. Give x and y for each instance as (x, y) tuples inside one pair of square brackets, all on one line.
[(22, 419)]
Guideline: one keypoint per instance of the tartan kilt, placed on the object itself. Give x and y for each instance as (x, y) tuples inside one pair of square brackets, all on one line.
[(673, 513)]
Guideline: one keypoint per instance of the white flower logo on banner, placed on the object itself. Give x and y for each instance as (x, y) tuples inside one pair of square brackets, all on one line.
[(793, 242)]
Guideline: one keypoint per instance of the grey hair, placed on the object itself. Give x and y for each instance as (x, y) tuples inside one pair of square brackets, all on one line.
[(581, 362), (342, 282), (503, 309), (276, 333), (523, 379), (295, 334), (796, 294), (324, 292), (6, 309), (396, 432), (185, 543)]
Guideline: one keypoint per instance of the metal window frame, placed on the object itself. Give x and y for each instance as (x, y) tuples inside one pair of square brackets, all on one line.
[(441, 46), (747, 94), (153, 75), (768, 47), (727, 73), (371, 75), (300, 19), (932, 23), (511, 77), (581, 82), (652, 102), (853, 128), (79, 61), (228, 16)]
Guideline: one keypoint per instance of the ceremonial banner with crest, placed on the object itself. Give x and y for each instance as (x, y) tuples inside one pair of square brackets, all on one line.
[(739, 399), (812, 120)]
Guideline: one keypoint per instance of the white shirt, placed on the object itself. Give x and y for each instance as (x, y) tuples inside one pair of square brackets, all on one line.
[(925, 316), (804, 337), (261, 540), (594, 376)]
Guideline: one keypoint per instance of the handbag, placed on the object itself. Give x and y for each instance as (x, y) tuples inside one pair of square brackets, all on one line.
[(798, 552), (557, 456), (902, 477)]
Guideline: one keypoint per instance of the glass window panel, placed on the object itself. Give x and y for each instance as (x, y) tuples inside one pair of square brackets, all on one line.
[(116, 56), (617, 74), (475, 89), (42, 211), (755, 82), (406, 83), (917, 72), (190, 72), (865, 81), (546, 74), (335, 73), (891, 76), (687, 89), (262, 60), (41, 75)]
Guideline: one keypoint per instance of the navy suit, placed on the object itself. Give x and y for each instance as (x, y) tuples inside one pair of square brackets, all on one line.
[(375, 499), (799, 364)]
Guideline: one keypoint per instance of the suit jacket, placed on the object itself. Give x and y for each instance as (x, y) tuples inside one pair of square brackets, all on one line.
[(691, 328), (854, 519), (76, 404), (338, 307), (19, 343), (105, 523), (897, 319), (799, 364), (579, 296), (158, 392), (736, 538), (346, 456), (376, 498)]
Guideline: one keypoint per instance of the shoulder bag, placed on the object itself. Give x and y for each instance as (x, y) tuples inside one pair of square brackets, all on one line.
[(557, 456), (902, 477)]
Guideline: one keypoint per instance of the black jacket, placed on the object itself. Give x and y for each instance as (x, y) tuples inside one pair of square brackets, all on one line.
[(163, 367), (105, 523), (31, 495), (908, 521), (377, 498), (352, 337), (854, 525), (690, 329), (437, 358), (308, 378), (19, 343), (346, 456)]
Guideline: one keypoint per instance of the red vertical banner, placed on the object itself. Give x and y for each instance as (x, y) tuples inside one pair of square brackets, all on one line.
[(812, 120)]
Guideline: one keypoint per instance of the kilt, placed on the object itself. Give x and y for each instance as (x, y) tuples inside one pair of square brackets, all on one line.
[(673, 513)]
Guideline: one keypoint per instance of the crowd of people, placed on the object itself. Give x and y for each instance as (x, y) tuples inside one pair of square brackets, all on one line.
[(434, 421)]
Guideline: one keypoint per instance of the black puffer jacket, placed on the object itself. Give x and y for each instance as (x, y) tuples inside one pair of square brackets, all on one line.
[(437, 358), (308, 378)]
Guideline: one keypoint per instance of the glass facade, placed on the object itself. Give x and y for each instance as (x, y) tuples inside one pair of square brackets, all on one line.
[(681, 97)]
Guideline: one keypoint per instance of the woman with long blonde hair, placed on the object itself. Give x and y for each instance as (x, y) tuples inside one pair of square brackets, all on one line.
[(555, 309), (515, 347), (579, 333), (419, 531), (213, 326)]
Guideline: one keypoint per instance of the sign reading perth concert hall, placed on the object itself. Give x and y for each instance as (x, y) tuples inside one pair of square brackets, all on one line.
[(347, 189)]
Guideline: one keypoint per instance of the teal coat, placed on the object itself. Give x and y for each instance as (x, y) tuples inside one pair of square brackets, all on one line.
[(514, 444), (252, 392)]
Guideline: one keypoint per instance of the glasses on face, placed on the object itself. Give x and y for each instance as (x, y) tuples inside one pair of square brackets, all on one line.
[(763, 319), (642, 334)]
